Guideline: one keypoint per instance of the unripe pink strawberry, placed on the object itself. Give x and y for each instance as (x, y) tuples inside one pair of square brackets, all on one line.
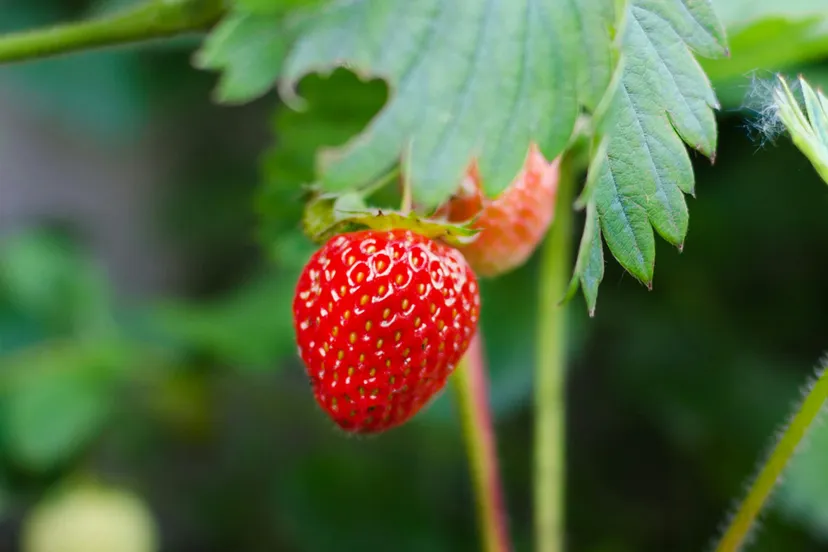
[(512, 224)]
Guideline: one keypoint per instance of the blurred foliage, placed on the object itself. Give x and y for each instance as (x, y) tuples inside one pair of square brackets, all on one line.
[(57, 400), (766, 36), (198, 403), (251, 327), (329, 119), (59, 88)]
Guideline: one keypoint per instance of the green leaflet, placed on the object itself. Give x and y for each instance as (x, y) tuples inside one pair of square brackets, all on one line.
[(809, 134), (248, 48), (589, 267), (663, 98), (595, 20), (589, 264), (469, 78)]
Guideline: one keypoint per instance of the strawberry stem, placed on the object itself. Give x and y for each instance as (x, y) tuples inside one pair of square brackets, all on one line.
[(471, 387), (549, 436), (150, 20), (740, 525)]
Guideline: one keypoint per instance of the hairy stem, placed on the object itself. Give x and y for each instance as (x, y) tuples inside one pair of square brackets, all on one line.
[(471, 386), (760, 490), (550, 372), (154, 19)]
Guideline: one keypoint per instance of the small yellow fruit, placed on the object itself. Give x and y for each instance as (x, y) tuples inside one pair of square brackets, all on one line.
[(91, 518)]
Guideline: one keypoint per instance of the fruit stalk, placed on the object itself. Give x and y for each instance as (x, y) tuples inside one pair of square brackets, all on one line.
[(741, 523), (154, 19), (472, 391), (550, 371)]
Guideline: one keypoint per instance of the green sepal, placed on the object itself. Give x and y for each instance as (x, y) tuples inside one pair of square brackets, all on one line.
[(329, 214)]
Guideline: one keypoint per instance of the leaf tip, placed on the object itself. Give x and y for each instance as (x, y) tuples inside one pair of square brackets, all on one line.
[(287, 93), (591, 312), (571, 290), (649, 285), (680, 247), (294, 102)]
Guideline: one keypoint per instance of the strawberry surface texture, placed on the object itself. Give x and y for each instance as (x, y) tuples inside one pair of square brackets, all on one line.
[(511, 225), (381, 319)]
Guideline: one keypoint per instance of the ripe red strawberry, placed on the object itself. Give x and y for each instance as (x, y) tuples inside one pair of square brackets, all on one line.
[(381, 320), (513, 224)]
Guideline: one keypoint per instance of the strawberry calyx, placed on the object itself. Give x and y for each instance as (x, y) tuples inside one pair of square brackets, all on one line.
[(328, 214)]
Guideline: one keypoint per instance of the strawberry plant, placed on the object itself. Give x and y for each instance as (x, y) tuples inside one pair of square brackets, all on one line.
[(443, 176)]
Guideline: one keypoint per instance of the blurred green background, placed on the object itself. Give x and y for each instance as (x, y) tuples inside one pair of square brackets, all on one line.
[(148, 249)]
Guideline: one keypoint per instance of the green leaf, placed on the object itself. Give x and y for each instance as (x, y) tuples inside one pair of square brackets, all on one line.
[(248, 49), (809, 133), (470, 78), (589, 266), (596, 19), (663, 98)]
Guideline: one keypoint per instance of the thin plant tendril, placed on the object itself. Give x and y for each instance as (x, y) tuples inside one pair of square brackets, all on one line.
[(790, 442)]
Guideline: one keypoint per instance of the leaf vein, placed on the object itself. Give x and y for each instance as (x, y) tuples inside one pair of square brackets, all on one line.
[(522, 75), (460, 101), (425, 46), (662, 59)]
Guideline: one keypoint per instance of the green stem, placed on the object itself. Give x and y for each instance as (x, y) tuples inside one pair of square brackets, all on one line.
[(740, 525), (471, 386), (551, 370), (155, 19)]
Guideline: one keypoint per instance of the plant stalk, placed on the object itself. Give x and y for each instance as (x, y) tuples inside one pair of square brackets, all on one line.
[(471, 387), (154, 19), (550, 439), (760, 490)]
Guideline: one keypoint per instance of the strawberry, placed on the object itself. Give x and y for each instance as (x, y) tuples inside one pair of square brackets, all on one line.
[(511, 225), (382, 317)]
